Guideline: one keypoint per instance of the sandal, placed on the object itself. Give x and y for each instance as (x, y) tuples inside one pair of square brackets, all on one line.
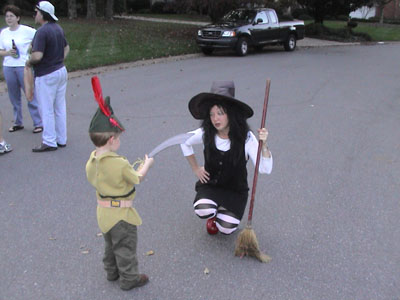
[(15, 128), (37, 129)]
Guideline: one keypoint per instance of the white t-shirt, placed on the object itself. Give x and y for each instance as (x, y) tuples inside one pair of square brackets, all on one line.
[(250, 148), (22, 37)]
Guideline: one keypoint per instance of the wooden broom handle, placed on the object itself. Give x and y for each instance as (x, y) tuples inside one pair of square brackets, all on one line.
[(253, 190)]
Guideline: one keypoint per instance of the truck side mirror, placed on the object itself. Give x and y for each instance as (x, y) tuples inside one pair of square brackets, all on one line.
[(259, 20)]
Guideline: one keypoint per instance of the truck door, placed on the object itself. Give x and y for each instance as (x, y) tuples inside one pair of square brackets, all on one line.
[(259, 28), (274, 33)]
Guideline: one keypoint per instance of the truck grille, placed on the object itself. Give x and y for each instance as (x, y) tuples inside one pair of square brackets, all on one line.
[(212, 34)]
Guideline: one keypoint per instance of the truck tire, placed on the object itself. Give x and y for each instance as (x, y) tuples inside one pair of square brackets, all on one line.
[(242, 46), (290, 43), (207, 51)]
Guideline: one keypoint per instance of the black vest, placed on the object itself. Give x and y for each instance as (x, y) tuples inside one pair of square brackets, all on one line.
[(222, 171)]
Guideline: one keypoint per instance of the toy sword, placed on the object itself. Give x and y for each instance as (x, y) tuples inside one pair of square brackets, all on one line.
[(175, 140)]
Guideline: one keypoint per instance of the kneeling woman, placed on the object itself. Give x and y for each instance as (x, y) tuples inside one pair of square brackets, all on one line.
[(222, 189)]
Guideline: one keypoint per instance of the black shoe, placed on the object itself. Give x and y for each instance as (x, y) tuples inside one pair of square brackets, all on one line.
[(61, 145), (126, 286), (15, 128), (44, 148)]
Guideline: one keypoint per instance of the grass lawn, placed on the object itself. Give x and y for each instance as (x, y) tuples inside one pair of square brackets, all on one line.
[(97, 42)]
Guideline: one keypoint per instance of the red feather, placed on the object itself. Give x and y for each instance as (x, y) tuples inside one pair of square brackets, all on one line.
[(98, 95)]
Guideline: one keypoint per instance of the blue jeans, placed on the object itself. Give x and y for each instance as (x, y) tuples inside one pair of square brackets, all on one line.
[(14, 77)]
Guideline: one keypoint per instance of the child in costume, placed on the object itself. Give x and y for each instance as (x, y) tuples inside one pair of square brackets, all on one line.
[(222, 189), (114, 179)]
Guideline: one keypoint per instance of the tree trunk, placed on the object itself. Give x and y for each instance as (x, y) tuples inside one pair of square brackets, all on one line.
[(72, 13), (381, 14), (109, 9), (125, 6), (91, 9)]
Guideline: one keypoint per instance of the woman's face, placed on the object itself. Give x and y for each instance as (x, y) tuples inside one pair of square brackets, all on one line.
[(11, 19), (219, 118)]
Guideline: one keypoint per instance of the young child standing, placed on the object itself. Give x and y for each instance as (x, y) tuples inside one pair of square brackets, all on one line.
[(114, 179)]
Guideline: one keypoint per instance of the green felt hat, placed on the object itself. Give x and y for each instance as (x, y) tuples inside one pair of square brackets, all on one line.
[(101, 123), (104, 119)]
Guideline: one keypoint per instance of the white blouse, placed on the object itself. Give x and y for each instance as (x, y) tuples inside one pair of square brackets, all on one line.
[(251, 147)]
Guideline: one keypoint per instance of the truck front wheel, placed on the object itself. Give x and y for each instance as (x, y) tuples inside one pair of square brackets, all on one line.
[(290, 43), (242, 46)]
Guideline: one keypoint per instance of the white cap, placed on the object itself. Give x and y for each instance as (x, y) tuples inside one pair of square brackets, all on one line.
[(46, 6)]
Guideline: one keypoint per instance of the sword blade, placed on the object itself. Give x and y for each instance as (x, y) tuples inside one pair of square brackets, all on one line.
[(175, 140)]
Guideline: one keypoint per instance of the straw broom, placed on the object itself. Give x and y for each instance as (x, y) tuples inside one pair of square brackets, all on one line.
[(246, 243)]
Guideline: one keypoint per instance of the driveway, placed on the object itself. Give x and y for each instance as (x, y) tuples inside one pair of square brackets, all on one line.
[(327, 215)]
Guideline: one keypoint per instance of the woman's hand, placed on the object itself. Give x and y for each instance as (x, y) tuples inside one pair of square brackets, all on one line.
[(263, 135), (202, 174), (12, 52)]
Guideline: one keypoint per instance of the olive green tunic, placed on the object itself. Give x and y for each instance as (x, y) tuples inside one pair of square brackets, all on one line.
[(113, 175)]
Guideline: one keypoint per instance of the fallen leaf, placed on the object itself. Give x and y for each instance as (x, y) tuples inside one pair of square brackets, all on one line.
[(151, 252), (206, 271)]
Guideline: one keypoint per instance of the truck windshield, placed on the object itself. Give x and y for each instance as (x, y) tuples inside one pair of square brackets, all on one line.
[(245, 16)]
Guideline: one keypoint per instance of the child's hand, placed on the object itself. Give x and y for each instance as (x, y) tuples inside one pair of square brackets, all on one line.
[(148, 160)]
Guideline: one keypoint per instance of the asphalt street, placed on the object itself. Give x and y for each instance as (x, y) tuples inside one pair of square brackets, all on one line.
[(328, 215)]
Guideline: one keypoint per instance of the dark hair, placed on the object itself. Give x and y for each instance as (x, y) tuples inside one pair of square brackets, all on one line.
[(238, 129), (13, 9), (46, 16), (99, 139)]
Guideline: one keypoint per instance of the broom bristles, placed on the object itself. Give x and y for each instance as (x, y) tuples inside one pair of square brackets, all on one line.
[(247, 244)]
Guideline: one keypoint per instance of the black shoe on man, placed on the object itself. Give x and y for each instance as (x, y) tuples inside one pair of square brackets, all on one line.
[(44, 148)]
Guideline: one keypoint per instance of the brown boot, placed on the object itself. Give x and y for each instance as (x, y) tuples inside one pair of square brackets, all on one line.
[(126, 286)]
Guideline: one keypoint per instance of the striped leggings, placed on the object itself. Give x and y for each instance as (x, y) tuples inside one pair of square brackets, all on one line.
[(226, 222)]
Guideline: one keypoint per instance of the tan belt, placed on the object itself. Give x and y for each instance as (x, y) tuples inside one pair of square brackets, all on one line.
[(115, 203)]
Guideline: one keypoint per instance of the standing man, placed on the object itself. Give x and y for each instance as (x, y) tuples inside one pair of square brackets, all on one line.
[(49, 49)]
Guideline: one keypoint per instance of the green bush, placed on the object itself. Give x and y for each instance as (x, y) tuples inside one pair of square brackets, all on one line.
[(305, 17), (158, 7), (297, 12), (170, 8), (135, 5), (342, 18), (285, 18), (352, 24)]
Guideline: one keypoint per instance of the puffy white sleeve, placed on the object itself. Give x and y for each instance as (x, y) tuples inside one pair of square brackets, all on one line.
[(251, 148), (195, 139)]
